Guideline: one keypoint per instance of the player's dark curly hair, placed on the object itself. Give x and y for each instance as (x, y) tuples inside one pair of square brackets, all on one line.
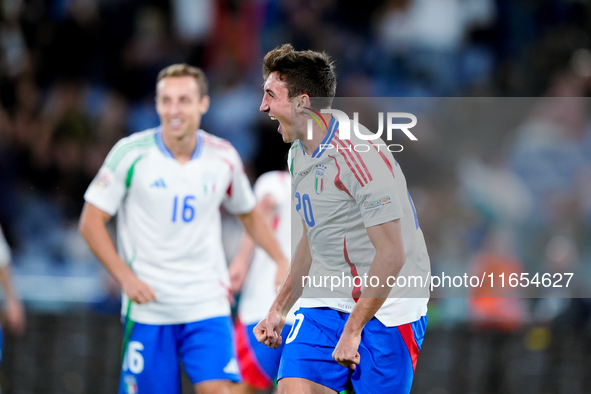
[(304, 72), (183, 70)]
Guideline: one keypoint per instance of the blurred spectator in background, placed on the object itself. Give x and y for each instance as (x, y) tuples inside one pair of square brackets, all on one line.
[(496, 310), (426, 40), (495, 305), (15, 314), (192, 22), (563, 306), (14, 317)]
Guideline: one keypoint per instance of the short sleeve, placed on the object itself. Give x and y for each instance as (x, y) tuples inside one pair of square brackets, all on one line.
[(269, 183), (108, 188), (240, 198), (5, 256), (375, 189)]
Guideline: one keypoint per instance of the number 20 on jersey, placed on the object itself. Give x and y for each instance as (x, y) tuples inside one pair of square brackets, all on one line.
[(304, 201)]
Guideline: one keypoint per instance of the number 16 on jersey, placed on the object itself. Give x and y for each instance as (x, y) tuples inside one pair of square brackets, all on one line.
[(183, 207)]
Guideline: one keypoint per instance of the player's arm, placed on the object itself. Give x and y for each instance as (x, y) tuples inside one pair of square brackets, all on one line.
[(388, 261), (241, 262), (268, 331), (93, 227), (15, 314), (257, 227)]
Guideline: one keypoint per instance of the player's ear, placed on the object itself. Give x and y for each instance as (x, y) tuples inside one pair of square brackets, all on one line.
[(301, 102), (156, 102), (204, 104)]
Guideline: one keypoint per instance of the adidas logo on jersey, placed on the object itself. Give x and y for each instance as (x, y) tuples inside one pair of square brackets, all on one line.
[(232, 367), (159, 183)]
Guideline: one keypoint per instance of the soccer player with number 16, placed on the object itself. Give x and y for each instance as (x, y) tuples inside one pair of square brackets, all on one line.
[(166, 186)]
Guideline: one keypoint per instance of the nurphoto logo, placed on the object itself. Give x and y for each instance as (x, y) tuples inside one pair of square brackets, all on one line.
[(345, 128)]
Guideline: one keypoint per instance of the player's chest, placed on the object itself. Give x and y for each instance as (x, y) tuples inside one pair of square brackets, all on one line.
[(315, 193), (162, 183)]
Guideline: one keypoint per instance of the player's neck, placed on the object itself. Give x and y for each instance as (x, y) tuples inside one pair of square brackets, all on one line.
[(181, 147), (318, 135)]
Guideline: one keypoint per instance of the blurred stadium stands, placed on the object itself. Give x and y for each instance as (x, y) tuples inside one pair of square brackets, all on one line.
[(77, 75)]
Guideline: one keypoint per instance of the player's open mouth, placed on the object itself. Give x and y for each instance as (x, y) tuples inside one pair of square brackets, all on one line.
[(275, 118)]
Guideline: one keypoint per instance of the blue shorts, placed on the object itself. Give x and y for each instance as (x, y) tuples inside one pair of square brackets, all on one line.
[(388, 354), (258, 363), (151, 361)]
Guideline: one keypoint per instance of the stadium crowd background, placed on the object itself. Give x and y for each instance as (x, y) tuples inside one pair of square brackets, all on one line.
[(77, 75)]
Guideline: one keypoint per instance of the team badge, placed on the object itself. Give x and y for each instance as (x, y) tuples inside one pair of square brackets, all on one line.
[(102, 181), (209, 181), (130, 384), (319, 179), (377, 203)]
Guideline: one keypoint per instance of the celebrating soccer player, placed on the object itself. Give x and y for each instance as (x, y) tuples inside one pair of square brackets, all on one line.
[(359, 221), (166, 186)]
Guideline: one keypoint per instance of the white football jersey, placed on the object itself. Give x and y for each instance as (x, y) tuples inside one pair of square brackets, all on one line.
[(258, 291), (341, 189), (168, 221), (5, 255)]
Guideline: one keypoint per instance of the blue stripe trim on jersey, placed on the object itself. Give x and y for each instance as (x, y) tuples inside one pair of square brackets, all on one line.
[(161, 145), (199, 147), (167, 153), (334, 125)]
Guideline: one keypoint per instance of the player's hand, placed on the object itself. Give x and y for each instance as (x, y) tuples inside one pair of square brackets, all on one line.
[(346, 352), (282, 270), (238, 273), (15, 316), (268, 331), (138, 291)]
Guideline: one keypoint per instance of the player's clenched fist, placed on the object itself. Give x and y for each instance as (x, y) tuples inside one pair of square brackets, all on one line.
[(268, 331), (346, 352)]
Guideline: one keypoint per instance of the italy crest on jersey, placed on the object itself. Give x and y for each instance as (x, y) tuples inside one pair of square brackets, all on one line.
[(130, 384), (209, 183), (319, 181)]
